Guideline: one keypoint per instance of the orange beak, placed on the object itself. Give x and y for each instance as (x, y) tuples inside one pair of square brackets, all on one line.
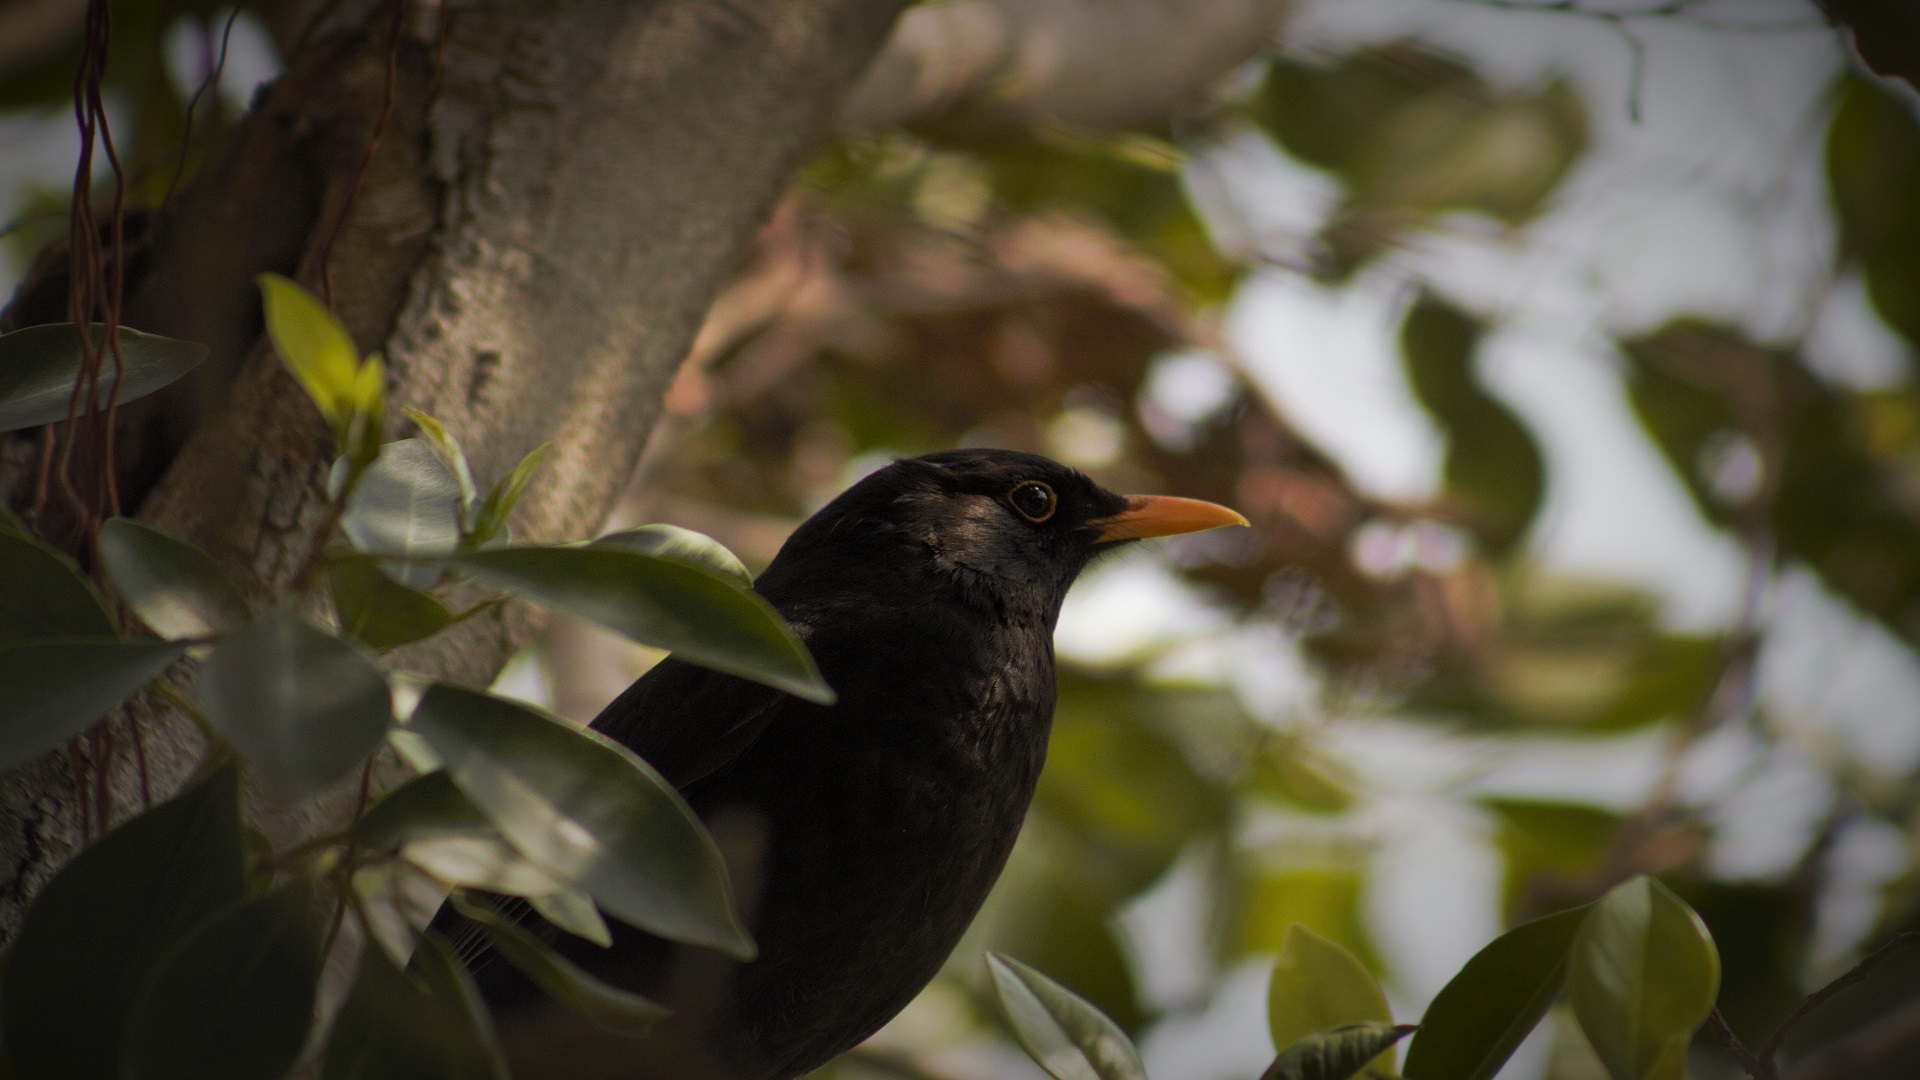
[(1165, 515)]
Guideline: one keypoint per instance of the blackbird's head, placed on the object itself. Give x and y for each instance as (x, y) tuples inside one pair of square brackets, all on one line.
[(1007, 529)]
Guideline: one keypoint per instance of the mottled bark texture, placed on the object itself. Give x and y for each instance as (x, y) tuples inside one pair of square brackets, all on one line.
[(532, 249)]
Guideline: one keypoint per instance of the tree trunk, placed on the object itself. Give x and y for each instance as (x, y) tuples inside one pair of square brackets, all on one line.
[(532, 248)]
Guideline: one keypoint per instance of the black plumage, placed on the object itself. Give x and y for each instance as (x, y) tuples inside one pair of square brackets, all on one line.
[(863, 836)]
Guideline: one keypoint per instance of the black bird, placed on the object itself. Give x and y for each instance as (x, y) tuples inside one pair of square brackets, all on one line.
[(862, 836)]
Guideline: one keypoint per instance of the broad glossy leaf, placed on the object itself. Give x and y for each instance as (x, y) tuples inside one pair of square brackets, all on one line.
[(1317, 986), (313, 345), (1337, 1054), (608, 1007), (573, 911), (234, 1000), (401, 1026), (587, 810), (439, 830), (685, 545), (491, 520), (43, 596), (56, 689), (1069, 1038), (1643, 975), (407, 504), (175, 588), (1486, 1009), (396, 903), (303, 706), (704, 617), (378, 611), (38, 366), (98, 928)]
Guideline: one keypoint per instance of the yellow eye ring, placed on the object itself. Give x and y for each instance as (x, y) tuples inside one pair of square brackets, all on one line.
[(1022, 499)]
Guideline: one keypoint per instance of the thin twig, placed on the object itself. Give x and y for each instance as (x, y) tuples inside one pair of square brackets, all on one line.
[(211, 79), (1716, 1026), (1857, 974)]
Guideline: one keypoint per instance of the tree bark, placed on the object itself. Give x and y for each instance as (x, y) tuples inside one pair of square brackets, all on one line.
[(532, 250)]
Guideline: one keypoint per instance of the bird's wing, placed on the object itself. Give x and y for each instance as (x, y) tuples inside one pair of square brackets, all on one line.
[(690, 722)]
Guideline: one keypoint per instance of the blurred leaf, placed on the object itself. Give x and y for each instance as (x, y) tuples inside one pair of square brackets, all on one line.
[(1326, 900), (396, 903), (98, 928), (1484, 1012), (1336, 1054), (573, 911), (10, 523), (1318, 986), (234, 1000), (400, 1026), (684, 545), (367, 426), (39, 365), (1873, 172), (315, 348), (1829, 501), (42, 595), (175, 588), (378, 611), (1493, 466), (451, 452), (1561, 839), (1067, 1037), (491, 520), (303, 706), (1289, 770), (1644, 974), (1412, 134), (606, 1006), (703, 616), (57, 689), (406, 505), (586, 809)]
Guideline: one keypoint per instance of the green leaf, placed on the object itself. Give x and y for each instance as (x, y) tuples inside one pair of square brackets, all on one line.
[(406, 504), (10, 523), (1493, 467), (57, 689), (450, 452), (98, 928), (39, 365), (43, 596), (439, 830), (396, 1026), (314, 346), (1069, 1038), (1485, 1011), (1337, 1054), (378, 611), (234, 1000), (1644, 973), (175, 588), (703, 616), (493, 514), (573, 911), (682, 545), (589, 811), (396, 903), (607, 1007), (303, 706), (1317, 986)]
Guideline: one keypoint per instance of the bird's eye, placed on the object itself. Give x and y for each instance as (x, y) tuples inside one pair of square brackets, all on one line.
[(1033, 500)]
